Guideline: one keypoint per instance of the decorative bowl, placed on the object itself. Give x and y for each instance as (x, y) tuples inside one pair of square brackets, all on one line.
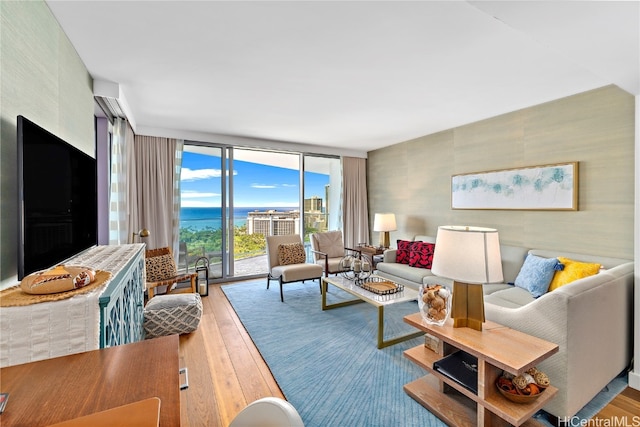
[(521, 398)]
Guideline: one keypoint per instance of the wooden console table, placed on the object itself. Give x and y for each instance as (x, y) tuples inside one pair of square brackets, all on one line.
[(64, 388), (497, 348)]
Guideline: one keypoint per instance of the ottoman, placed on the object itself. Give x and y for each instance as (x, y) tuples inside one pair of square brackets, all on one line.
[(172, 314)]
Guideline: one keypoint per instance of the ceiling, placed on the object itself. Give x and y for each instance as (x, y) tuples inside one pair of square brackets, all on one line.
[(346, 76)]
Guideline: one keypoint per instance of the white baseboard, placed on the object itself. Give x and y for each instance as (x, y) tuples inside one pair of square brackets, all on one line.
[(634, 380)]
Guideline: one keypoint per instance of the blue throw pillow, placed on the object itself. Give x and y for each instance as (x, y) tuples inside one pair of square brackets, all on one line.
[(536, 273)]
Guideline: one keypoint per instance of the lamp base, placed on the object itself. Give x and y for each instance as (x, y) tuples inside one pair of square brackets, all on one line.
[(384, 239), (467, 306)]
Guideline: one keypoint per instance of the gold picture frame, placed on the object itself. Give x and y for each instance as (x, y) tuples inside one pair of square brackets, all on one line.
[(546, 187)]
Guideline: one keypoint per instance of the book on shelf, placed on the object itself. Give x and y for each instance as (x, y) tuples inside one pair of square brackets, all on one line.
[(461, 367)]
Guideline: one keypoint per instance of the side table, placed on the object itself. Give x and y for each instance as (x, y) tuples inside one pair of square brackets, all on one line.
[(373, 252), (497, 348)]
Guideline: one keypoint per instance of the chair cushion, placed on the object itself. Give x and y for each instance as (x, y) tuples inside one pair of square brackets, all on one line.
[(291, 253), (172, 314), (160, 267)]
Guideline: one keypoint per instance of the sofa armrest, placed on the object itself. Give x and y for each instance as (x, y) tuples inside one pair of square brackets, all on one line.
[(390, 255), (591, 321)]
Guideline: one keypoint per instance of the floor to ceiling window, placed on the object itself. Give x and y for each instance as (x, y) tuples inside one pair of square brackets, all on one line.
[(231, 198)]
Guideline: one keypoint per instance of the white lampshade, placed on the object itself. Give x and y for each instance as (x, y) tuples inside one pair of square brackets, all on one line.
[(468, 254), (384, 222)]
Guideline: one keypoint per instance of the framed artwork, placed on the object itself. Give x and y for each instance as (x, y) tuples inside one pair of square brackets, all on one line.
[(547, 187)]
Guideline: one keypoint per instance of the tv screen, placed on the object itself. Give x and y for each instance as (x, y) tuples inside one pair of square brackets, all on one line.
[(57, 199)]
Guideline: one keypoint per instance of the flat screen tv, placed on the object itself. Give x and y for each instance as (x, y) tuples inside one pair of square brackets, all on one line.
[(57, 199)]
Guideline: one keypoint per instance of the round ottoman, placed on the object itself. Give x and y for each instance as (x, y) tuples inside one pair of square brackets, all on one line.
[(172, 314)]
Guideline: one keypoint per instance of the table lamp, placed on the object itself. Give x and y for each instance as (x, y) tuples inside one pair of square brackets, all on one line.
[(471, 257), (142, 233), (384, 223)]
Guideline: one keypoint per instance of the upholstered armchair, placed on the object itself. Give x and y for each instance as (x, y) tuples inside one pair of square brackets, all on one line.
[(288, 261), (161, 271), (328, 251)]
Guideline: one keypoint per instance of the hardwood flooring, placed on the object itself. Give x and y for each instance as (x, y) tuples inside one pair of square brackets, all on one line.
[(226, 372)]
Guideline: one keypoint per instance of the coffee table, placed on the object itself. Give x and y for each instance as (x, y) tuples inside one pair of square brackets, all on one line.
[(380, 301)]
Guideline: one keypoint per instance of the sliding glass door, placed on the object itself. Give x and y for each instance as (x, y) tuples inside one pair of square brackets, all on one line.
[(265, 201), (231, 198), (322, 189), (203, 224)]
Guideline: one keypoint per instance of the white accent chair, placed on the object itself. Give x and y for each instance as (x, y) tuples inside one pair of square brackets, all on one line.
[(328, 251), (268, 412), (289, 272)]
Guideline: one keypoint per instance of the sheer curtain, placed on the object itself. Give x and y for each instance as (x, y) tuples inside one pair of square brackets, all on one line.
[(121, 157), (355, 212), (157, 190)]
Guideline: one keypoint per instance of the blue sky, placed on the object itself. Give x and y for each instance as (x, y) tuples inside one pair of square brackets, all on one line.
[(255, 185)]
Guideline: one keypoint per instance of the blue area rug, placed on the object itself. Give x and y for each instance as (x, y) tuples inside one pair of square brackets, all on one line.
[(327, 362)]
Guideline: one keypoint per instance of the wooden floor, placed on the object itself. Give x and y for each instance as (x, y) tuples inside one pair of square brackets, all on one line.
[(226, 372)]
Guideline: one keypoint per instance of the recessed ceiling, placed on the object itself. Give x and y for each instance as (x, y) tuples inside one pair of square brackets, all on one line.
[(352, 75)]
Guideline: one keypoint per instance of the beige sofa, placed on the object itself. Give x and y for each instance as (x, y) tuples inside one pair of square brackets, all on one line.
[(403, 273), (591, 320)]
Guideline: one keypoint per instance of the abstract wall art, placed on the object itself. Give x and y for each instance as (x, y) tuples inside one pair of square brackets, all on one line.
[(547, 187)]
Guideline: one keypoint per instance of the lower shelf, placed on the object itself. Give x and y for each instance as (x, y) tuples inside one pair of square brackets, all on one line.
[(453, 408), (447, 407)]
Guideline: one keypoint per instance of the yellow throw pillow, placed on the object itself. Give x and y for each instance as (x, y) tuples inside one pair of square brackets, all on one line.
[(573, 270)]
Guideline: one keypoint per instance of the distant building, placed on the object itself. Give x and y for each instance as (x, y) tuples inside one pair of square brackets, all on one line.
[(315, 216), (273, 223)]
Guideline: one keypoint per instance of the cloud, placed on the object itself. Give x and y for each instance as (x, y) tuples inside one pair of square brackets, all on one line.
[(263, 186), (255, 185), (187, 174)]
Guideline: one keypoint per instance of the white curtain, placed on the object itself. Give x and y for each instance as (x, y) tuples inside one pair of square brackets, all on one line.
[(157, 190), (355, 213), (119, 183), (176, 197)]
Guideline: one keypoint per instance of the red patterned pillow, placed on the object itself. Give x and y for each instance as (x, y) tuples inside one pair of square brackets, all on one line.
[(421, 254), (402, 254)]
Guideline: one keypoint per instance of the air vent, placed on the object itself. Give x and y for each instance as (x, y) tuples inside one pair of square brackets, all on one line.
[(111, 107), (109, 98)]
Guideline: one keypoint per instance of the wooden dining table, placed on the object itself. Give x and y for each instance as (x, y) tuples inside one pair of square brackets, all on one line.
[(64, 388)]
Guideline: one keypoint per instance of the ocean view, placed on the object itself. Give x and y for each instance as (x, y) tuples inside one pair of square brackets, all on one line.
[(202, 218)]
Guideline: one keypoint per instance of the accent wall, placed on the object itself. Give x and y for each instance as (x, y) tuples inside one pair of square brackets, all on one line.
[(413, 179), (42, 78)]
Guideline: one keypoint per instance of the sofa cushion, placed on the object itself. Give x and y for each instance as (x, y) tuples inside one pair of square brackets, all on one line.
[(514, 297), (404, 271), (536, 274), (573, 270), (421, 254), (403, 252)]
